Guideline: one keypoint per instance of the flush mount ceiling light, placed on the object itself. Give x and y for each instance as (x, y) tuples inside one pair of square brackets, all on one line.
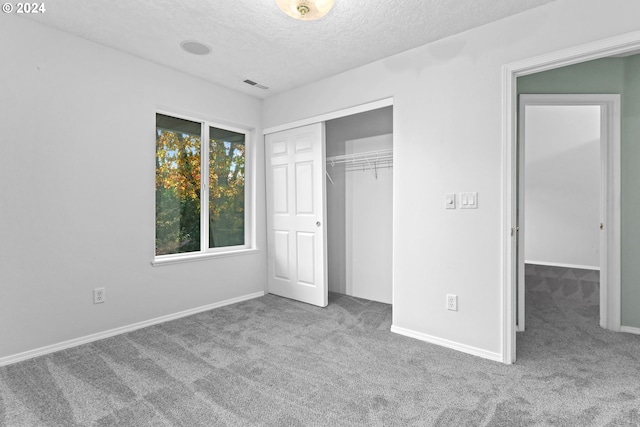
[(305, 10), (196, 48)]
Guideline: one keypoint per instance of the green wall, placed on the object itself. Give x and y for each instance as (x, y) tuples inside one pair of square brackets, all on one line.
[(631, 193), (611, 75)]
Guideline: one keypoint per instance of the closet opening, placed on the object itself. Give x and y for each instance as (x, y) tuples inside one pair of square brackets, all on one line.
[(359, 202)]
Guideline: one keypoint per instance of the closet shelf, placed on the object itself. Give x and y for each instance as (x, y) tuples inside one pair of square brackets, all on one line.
[(364, 161)]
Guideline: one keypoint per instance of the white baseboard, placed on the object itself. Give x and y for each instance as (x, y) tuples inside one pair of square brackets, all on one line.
[(630, 330), (559, 264), (8, 360), (496, 357)]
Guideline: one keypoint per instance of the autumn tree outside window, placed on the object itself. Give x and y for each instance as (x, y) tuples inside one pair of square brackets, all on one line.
[(196, 215)]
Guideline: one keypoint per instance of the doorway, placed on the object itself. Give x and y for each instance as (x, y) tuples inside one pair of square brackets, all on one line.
[(297, 215), (615, 46), (360, 204), (563, 193)]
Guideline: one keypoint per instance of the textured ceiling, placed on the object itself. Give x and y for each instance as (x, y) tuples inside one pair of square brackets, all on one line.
[(253, 39)]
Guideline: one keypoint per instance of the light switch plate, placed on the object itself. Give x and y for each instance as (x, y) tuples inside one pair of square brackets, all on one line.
[(450, 201), (469, 200)]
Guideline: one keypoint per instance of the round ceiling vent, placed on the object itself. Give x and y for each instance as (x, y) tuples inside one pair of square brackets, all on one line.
[(196, 48)]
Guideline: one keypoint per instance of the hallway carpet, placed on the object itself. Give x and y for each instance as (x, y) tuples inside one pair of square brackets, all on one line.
[(275, 362)]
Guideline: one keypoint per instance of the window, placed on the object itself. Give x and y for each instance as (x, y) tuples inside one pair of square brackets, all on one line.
[(200, 188)]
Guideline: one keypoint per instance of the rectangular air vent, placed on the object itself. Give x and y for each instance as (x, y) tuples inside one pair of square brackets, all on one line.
[(252, 83)]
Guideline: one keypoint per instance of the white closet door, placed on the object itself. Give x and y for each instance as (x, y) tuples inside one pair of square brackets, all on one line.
[(296, 214)]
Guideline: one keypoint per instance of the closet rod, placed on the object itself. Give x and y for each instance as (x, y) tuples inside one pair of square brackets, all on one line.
[(366, 157)]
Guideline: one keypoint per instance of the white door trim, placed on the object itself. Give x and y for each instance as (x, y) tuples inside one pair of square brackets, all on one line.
[(374, 105), (609, 199), (510, 72)]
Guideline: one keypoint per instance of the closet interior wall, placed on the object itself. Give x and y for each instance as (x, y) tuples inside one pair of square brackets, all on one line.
[(359, 208)]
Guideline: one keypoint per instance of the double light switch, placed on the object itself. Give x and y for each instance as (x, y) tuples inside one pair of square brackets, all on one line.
[(468, 200)]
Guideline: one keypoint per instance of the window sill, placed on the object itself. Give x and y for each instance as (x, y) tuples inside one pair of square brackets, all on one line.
[(157, 262)]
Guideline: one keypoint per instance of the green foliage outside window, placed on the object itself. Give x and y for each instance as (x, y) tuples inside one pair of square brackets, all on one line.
[(178, 187)]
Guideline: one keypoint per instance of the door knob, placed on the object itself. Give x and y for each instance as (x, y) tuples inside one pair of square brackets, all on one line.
[(318, 223)]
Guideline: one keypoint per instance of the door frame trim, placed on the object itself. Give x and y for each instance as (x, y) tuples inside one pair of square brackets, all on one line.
[(621, 44), (373, 105), (609, 198)]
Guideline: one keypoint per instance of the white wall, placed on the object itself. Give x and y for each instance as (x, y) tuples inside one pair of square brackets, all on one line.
[(448, 138), (336, 209), (562, 185), (77, 200), (369, 222)]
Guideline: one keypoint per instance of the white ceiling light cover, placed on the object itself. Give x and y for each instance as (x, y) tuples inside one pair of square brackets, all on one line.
[(307, 10)]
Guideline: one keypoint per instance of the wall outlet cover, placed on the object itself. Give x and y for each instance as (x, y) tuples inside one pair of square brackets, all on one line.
[(99, 295), (452, 302)]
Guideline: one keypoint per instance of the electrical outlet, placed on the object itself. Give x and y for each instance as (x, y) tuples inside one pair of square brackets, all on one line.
[(452, 302), (99, 295)]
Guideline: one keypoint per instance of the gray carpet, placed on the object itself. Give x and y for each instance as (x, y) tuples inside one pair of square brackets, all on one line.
[(276, 362)]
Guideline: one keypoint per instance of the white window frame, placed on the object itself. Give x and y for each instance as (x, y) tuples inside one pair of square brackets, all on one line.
[(249, 195)]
